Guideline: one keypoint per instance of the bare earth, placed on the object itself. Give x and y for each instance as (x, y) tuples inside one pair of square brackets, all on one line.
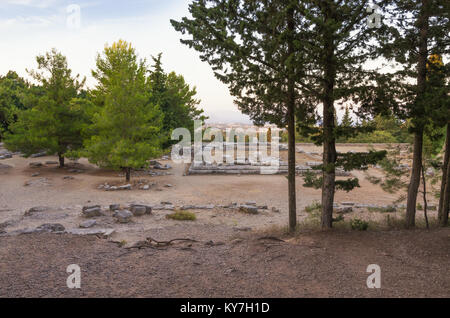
[(235, 264)]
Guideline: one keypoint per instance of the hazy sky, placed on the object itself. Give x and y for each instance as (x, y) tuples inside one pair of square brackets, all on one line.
[(32, 27)]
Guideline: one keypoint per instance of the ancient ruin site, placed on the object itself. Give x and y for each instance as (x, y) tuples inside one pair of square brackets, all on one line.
[(239, 231), (221, 157)]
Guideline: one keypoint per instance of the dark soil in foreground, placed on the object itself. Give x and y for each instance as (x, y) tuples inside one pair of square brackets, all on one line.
[(322, 264)]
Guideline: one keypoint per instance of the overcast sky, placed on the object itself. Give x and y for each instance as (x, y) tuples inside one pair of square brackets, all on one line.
[(32, 27)]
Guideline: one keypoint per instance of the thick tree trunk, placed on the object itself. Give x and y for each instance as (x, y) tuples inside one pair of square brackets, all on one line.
[(291, 132), (415, 181), (443, 221), (329, 159), (61, 160), (423, 24), (445, 179), (329, 138), (128, 174)]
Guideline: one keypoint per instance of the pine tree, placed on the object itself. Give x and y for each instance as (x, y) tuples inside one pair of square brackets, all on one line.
[(12, 90), (55, 120), (419, 28), (126, 130), (175, 98), (252, 47), (337, 43)]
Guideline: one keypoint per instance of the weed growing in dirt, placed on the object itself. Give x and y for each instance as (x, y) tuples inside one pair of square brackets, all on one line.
[(313, 207), (388, 209), (182, 216), (359, 225)]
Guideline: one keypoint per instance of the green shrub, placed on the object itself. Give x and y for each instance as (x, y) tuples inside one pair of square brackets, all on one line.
[(315, 206), (359, 225), (182, 216), (388, 209)]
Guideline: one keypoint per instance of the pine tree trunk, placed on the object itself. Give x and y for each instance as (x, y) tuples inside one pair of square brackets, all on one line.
[(443, 221), (291, 133), (423, 25), (445, 180), (415, 181), (128, 174), (329, 159), (61, 160), (329, 138)]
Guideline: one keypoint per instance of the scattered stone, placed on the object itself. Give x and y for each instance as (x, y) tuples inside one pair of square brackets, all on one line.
[(36, 209), (125, 187), (37, 174), (348, 203), (103, 232), (248, 209), (243, 229), (123, 216), (3, 166), (50, 228), (52, 163), (168, 185), (37, 182), (92, 212), (6, 156), (138, 210), (39, 154), (146, 187), (75, 171), (275, 210), (263, 207), (251, 203), (114, 207), (68, 178), (166, 203), (35, 164), (88, 224), (343, 210)]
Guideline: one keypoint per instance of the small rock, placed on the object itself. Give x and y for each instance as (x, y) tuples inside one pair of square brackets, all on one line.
[(51, 162), (168, 185), (251, 203), (87, 224), (348, 203), (248, 209), (125, 187), (114, 207), (50, 228), (343, 210), (92, 212), (29, 212), (123, 216), (68, 178), (39, 154), (37, 174), (35, 164), (138, 210), (275, 210), (146, 187)]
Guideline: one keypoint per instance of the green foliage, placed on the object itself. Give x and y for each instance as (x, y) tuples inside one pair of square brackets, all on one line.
[(175, 98), (182, 216), (55, 120), (126, 130), (12, 93), (315, 206), (359, 225), (388, 209)]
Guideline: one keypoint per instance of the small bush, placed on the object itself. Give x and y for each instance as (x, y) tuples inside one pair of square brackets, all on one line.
[(315, 206), (359, 225), (388, 209), (419, 207), (182, 216)]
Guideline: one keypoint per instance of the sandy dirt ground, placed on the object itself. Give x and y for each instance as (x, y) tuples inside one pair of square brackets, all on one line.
[(321, 264)]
